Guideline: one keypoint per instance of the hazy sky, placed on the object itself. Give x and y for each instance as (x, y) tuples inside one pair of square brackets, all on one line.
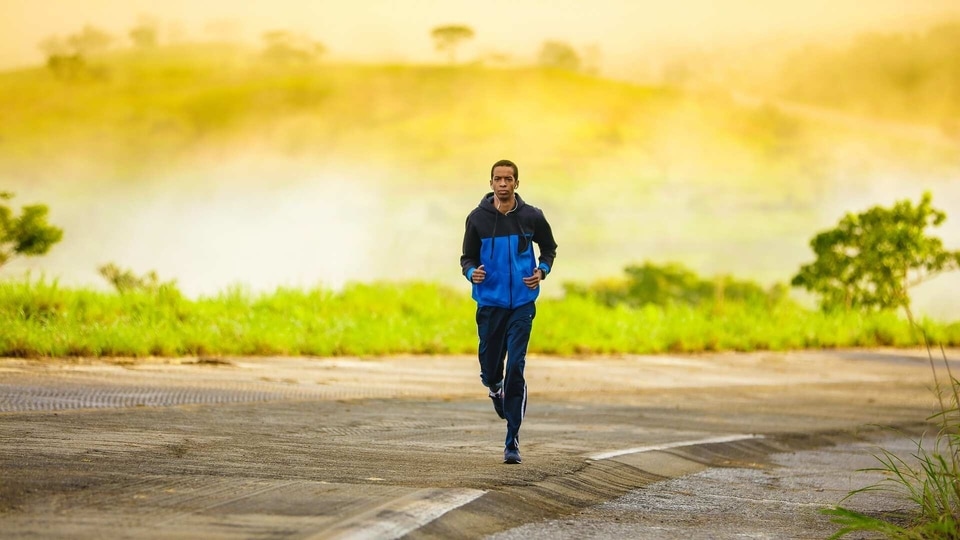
[(399, 30)]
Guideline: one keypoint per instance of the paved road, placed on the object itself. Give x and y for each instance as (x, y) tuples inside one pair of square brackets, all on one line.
[(641, 446)]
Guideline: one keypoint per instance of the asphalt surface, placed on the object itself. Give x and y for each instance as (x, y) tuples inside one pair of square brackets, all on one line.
[(707, 446)]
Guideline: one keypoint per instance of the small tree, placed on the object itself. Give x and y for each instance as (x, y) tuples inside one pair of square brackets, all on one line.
[(557, 54), (67, 58), (448, 38), (146, 34), (28, 234), (62, 59), (282, 47), (871, 259), (89, 40), (124, 280)]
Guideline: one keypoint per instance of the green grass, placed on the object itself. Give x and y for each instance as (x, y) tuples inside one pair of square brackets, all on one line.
[(42, 319), (929, 479)]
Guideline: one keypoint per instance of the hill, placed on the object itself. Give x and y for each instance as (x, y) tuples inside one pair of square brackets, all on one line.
[(193, 160), (911, 77), (136, 114), (140, 111)]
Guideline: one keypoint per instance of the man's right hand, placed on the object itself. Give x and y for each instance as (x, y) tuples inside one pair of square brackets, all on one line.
[(478, 275)]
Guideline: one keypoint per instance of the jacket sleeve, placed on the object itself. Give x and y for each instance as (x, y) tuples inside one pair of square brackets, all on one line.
[(543, 237), (470, 255)]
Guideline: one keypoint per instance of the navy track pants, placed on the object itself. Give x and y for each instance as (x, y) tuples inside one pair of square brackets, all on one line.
[(504, 334)]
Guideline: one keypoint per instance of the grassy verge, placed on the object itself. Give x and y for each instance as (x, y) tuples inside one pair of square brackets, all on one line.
[(929, 479), (42, 319)]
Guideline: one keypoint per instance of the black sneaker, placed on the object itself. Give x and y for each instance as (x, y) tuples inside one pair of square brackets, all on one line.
[(511, 456), (497, 398)]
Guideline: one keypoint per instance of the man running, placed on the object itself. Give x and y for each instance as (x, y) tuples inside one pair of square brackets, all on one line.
[(499, 261)]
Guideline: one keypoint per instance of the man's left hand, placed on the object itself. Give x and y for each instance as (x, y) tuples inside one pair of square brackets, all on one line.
[(534, 281)]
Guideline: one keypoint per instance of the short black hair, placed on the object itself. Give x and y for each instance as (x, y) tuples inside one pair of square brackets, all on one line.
[(506, 163)]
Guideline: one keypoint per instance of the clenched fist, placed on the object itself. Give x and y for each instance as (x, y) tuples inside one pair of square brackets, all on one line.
[(478, 275)]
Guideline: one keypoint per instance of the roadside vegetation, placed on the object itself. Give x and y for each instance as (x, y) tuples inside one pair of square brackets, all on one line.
[(892, 253), (862, 273), (42, 319), (928, 479)]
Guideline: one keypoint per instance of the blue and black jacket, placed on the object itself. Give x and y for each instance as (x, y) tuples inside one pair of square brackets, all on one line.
[(503, 244)]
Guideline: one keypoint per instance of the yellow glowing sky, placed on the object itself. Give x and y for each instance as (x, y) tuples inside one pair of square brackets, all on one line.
[(398, 30)]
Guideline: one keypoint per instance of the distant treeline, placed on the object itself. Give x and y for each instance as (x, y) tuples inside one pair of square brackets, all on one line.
[(900, 76), (674, 284)]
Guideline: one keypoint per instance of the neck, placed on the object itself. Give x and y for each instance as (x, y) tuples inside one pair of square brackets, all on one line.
[(504, 206)]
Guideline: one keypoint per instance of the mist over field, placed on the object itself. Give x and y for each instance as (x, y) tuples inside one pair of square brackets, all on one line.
[(214, 166)]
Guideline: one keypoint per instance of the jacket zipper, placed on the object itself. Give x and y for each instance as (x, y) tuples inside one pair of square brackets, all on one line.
[(510, 260)]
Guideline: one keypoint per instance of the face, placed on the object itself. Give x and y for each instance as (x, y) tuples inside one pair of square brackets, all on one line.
[(503, 182)]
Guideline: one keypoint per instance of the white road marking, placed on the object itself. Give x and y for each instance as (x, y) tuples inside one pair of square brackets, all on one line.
[(403, 515), (665, 446)]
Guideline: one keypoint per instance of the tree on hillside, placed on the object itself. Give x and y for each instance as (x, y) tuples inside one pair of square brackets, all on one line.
[(61, 60), (447, 38), (67, 57), (28, 234), (282, 46), (559, 55), (146, 34), (871, 259), (89, 40)]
